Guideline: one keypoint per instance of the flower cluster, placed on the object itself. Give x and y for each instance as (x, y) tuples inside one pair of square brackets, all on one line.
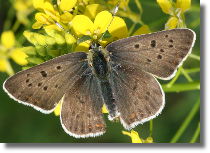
[(176, 11)]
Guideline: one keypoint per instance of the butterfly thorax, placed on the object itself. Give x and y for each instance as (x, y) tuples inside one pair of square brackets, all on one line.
[(99, 60)]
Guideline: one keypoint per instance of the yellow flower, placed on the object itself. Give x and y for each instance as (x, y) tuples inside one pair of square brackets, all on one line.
[(7, 51), (39, 4), (176, 10), (50, 14), (118, 29), (180, 5), (65, 5), (83, 24), (165, 6), (19, 56), (172, 23), (135, 137), (8, 39), (184, 5)]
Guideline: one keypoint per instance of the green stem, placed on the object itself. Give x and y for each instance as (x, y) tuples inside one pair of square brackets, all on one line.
[(186, 122), (179, 87), (186, 75), (174, 8), (131, 29), (151, 127), (16, 26), (193, 70), (194, 56), (138, 4), (8, 21), (196, 134), (175, 78)]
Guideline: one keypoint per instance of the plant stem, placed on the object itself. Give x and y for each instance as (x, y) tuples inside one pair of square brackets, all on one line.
[(194, 56), (186, 122), (196, 134), (175, 78), (151, 127), (178, 87), (186, 75)]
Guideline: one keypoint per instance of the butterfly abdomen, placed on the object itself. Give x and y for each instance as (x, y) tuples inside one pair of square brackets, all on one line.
[(101, 70), (109, 99)]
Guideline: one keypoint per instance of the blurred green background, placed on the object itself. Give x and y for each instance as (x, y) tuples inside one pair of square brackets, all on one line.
[(20, 123)]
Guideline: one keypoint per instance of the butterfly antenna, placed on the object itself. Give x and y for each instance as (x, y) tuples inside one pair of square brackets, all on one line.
[(69, 32), (115, 11)]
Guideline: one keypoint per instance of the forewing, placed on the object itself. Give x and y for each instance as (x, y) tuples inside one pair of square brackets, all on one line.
[(138, 95), (157, 53), (44, 85), (81, 111)]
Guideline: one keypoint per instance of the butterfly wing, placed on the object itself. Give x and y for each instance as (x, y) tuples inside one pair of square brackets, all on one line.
[(81, 110), (138, 95), (44, 85), (157, 53)]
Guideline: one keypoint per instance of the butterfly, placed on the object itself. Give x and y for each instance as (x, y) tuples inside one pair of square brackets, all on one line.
[(121, 76)]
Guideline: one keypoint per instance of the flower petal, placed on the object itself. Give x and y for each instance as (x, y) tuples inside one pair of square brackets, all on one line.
[(67, 5), (126, 133), (92, 10), (19, 56), (183, 4), (37, 25), (102, 21), (143, 30), (118, 28), (165, 5), (39, 5), (172, 23), (58, 109), (106, 41), (8, 39), (82, 24), (42, 18), (135, 137), (3, 64), (49, 9), (84, 47), (66, 17)]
